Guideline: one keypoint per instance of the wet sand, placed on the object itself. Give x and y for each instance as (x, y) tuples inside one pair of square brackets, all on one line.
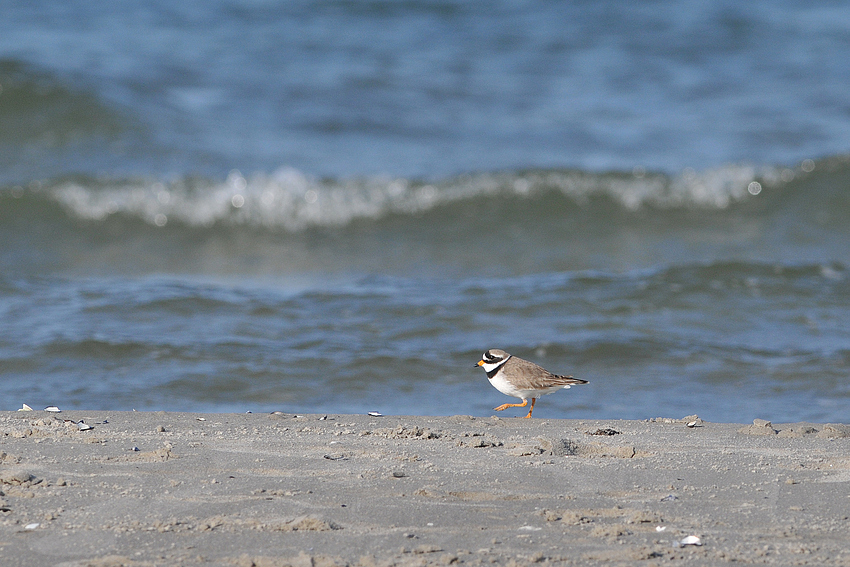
[(150, 488)]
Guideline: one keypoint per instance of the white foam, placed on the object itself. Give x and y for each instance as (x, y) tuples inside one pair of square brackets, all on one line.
[(291, 200)]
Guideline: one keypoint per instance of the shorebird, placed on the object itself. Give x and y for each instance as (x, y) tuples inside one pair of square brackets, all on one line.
[(521, 378)]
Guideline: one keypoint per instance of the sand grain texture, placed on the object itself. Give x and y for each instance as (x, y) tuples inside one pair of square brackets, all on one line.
[(151, 489)]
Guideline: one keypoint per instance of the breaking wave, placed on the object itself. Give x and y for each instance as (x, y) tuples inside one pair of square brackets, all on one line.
[(292, 200)]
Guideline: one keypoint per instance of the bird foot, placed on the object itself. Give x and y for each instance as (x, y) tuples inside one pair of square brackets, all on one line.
[(506, 406)]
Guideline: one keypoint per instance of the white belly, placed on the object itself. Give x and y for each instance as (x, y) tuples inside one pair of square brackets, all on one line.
[(507, 388)]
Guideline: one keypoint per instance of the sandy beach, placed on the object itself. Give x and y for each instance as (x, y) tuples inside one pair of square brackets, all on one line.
[(98, 488)]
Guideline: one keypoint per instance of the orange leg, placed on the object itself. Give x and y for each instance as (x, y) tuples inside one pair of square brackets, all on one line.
[(531, 409), (522, 405)]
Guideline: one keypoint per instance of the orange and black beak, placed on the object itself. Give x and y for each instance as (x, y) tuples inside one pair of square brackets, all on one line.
[(480, 363)]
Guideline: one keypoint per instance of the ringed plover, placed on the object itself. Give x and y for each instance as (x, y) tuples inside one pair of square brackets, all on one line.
[(521, 379)]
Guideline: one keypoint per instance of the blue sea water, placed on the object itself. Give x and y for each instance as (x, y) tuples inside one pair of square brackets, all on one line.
[(337, 206)]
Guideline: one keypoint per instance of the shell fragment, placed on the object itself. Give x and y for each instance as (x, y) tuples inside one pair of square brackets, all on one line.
[(690, 540)]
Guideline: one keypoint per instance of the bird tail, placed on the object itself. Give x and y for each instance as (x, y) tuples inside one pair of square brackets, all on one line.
[(569, 381)]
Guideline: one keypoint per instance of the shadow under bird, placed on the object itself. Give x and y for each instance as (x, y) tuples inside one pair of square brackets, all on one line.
[(521, 378)]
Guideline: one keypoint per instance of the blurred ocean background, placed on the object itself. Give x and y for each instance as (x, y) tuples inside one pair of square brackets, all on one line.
[(338, 205)]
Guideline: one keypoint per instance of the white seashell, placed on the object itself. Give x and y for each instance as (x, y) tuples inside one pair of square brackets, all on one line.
[(376, 414), (25, 408), (201, 418), (691, 540), (53, 409), (660, 528), (84, 426), (31, 526), (529, 528), (692, 424)]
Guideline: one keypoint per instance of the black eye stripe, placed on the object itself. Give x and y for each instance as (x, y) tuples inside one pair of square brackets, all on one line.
[(488, 357)]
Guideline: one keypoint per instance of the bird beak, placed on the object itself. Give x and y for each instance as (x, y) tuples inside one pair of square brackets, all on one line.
[(480, 363)]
